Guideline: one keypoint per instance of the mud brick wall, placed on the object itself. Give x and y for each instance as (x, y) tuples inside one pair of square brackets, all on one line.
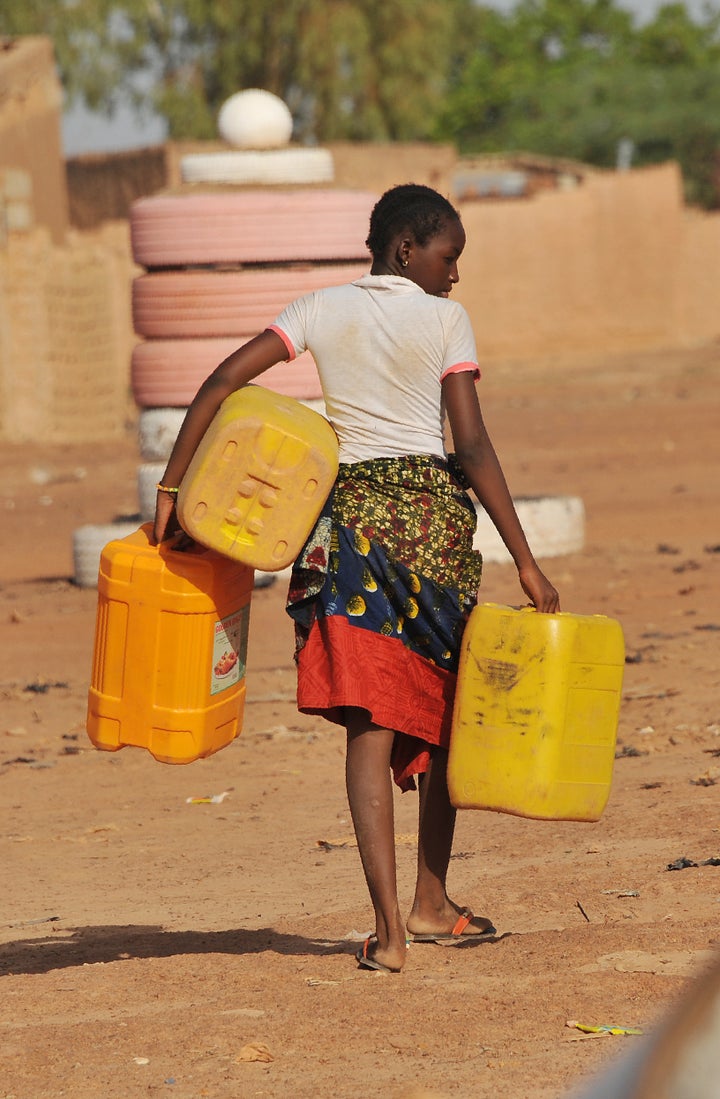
[(65, 337), (362, 166), (103, 187), (615, 264), (698, 276), (30, 133), (618, 263)]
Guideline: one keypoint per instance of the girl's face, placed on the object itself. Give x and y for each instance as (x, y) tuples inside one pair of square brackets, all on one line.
[(434, 266)]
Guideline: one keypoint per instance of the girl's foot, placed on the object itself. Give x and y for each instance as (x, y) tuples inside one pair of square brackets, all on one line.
[(452, 924), (385, 961)]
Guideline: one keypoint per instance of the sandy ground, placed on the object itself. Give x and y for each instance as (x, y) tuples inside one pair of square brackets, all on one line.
[(146, 942)]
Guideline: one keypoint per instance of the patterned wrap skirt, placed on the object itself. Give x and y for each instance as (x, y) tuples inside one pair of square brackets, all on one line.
[(380, 595)]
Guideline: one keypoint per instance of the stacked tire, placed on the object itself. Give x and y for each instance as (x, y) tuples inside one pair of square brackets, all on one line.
[(218, 267)]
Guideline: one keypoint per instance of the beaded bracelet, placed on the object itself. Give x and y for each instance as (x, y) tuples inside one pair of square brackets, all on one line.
[(166, 488)]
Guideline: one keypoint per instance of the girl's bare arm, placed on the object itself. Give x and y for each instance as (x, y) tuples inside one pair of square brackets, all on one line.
[(479, 462), (234, 372)]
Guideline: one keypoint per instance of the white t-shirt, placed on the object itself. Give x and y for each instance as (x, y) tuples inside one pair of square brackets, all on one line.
[(382, 348)]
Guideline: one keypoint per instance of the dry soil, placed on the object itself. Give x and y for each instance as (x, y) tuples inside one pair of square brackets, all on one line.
[(150, 946)]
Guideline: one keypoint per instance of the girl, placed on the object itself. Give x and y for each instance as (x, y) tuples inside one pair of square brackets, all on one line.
[(383, 587)]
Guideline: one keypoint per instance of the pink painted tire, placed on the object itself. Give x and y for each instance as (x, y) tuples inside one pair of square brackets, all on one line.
[(186, 304), (250, 227), (168, 373)]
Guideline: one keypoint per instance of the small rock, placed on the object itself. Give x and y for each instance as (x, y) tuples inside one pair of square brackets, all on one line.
[(709, 778), (255, 1051), (39, 476)]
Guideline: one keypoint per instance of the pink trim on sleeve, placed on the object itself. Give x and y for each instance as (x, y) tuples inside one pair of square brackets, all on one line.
[(459, 368), (279, 332)]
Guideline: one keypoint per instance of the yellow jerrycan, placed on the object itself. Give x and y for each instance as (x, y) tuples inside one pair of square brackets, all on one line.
[(536, 713), (170, 649), (259, 478)]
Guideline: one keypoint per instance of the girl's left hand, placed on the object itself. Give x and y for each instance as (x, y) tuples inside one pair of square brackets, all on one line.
[(539, 590)]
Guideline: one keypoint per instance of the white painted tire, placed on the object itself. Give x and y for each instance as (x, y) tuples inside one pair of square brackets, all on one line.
[(88, 543), (157, 431), (168, 373), (272, 166), (554, 525), (191, 304), (148, 475), (250, 227)]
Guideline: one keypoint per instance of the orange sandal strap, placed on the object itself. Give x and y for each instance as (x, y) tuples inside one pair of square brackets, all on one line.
[(466, 917), (366, 944)]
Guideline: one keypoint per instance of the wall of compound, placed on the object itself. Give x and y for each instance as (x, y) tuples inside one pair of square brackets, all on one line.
[(35, 190), (65, 337), (617, 263), (609, 266)]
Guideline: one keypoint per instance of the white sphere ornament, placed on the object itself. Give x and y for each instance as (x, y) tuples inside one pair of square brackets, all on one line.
[(255, 119)]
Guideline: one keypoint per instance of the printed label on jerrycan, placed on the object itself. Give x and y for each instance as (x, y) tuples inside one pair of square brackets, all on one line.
[(229, 650)]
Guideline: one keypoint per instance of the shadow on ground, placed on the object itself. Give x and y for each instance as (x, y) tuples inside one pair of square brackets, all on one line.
[(87, 945)]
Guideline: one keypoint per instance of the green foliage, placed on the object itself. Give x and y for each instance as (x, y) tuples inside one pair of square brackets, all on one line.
[(571, 78), (354, 69), (574, 78)]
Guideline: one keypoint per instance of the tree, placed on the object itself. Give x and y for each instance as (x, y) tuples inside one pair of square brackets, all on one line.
[(573, 78), (517, 57), (358, 69)]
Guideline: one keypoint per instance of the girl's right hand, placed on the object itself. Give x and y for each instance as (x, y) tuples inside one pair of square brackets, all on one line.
[(237, 370), (166, 521)]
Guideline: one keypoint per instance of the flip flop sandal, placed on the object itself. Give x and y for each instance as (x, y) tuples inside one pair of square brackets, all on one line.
[(456, 935), (364, 961)]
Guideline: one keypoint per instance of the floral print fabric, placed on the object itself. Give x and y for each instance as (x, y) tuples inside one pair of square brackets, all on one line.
[(390, 556)]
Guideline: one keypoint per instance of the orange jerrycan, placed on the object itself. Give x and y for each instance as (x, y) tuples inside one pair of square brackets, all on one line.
[(536, 713), (170, 649), (259, 478)]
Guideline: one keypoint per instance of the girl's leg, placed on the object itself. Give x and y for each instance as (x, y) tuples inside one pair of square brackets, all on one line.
[(370, 794), (432, 909)]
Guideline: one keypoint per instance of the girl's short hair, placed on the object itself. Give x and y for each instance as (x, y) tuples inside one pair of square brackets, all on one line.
[(409, 206)]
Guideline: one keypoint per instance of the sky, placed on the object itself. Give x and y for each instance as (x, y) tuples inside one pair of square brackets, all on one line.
[(86, 132)]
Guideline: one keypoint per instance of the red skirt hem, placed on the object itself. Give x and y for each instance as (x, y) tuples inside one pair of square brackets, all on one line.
[(344, 665)]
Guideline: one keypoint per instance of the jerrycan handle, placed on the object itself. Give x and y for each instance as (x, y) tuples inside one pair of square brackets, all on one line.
[(177, 542)]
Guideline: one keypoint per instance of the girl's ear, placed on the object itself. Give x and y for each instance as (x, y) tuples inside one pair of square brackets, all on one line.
[(404, 249)]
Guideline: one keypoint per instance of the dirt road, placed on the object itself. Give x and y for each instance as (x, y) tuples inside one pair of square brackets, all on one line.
[(148, 946)]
